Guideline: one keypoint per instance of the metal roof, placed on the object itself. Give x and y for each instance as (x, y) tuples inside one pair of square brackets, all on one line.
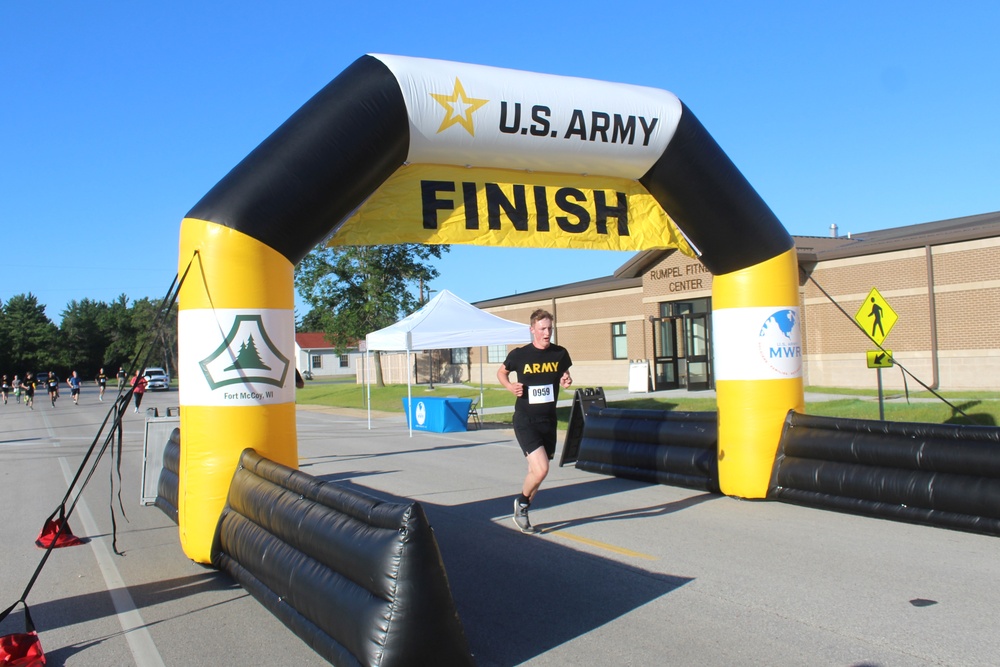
[(954, 230), (809, 249)]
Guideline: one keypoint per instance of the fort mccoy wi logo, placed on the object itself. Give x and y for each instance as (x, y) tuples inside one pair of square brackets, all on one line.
[(246, 357)]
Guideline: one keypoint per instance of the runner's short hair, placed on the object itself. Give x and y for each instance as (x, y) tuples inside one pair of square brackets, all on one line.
[(540, 314)]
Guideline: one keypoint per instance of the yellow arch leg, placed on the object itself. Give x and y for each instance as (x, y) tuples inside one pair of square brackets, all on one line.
[(236, 335), (758, 368)]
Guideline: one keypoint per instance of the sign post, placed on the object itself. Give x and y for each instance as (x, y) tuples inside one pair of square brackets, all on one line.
[(876, 317)]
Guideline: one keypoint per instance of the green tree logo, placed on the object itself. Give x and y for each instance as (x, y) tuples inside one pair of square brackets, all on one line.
[(246, 356)]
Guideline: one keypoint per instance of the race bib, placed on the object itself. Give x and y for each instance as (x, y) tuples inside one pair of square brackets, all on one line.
[(544, 393)]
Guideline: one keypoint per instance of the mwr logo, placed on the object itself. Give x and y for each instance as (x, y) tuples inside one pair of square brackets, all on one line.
[(780, 342), (247, 355), (421, 413)]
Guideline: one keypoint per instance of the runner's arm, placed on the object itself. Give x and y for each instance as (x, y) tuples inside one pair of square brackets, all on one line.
[(503, 375)]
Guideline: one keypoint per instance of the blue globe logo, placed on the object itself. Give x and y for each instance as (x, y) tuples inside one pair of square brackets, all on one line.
[(780, 342)]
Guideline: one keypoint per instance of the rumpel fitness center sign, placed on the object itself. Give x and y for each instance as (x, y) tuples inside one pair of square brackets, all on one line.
[(686, 283)]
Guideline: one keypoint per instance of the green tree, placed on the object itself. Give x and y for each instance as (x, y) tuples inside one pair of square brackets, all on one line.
[(116, 323), (313, 321), (84, 339), (92, 334), (359, 289), (6, 363), (30, 338), (159, 343)]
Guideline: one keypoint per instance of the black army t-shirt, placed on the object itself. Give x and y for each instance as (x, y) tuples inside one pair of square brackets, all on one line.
[(539, 371)]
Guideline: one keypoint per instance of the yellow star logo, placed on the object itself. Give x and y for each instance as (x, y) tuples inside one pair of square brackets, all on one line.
[(459, 108)]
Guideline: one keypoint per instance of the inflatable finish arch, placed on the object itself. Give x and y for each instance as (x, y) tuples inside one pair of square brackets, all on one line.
[(400, 149)]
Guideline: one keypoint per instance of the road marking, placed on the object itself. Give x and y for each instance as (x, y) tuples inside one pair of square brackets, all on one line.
[(594, 543), (139, 640)]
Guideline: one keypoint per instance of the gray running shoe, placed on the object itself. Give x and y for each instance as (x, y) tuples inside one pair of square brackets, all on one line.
[(521, 518)]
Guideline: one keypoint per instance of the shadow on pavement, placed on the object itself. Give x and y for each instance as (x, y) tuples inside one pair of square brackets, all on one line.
[(520, 596)]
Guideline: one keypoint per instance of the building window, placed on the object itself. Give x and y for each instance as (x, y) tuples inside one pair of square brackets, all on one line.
[(459, 355), (345, 362), (678, 308), (619, 341), (496, 354), (317, 361)]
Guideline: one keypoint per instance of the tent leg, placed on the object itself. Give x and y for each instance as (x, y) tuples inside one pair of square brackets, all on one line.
[(409, 393)]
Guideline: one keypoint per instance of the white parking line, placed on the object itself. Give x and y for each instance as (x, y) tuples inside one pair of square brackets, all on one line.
[(140, 642)]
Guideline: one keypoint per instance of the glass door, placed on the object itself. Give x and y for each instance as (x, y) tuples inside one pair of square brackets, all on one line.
[(696, 343), (682, 345), (665, 375)]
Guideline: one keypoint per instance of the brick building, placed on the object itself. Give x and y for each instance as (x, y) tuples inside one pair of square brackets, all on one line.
[(940, 279)]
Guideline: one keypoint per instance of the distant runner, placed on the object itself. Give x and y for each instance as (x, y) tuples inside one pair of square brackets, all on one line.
[(74, 387), (102, 382), (139, 382), (28, 389), (52, 384)]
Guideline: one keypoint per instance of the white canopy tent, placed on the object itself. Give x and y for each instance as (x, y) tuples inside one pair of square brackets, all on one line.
[(444, 322)]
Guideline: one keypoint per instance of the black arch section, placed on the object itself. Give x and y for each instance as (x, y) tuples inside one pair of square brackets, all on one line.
[(712, 202), (318, 166)]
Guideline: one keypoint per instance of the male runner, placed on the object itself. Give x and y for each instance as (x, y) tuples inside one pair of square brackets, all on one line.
[(28, 389), (541, 368), (74, 387), (53, 386), (5, 389), (102, 382)]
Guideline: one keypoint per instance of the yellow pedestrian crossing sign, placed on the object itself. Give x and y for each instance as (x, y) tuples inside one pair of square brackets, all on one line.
[(879, 358), (876, 317)]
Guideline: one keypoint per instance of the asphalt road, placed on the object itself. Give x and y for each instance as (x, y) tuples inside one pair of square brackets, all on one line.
[(624, 573)]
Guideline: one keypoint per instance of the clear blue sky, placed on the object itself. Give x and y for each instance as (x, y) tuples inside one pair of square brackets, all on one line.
[(117, 117)]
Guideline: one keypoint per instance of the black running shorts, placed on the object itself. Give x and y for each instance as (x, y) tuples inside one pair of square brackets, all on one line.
[(535, 432)]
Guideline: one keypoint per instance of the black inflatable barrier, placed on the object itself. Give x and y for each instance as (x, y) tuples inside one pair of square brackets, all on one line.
[(935, 474), (659, 446), (167, 483), (358, 579)]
